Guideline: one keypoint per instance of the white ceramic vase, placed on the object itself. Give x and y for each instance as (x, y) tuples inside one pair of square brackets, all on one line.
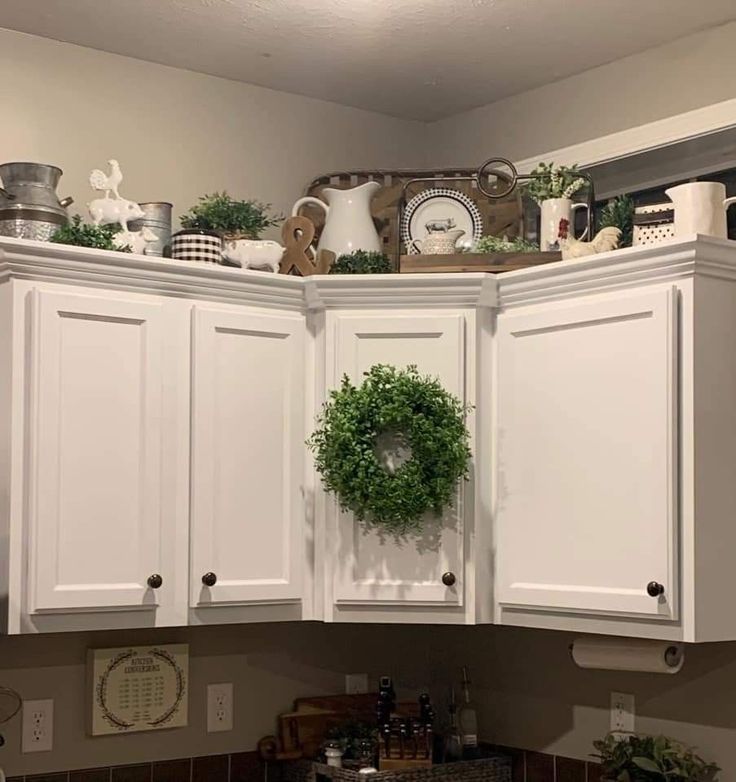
[(552, 211), (348, 222)]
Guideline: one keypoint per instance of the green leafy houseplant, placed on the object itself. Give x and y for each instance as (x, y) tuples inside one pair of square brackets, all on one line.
[(412, 410), (619, 213), (82, 234), (500, 244), (553, 182), (230, 218), (362, 262), (636, 758)]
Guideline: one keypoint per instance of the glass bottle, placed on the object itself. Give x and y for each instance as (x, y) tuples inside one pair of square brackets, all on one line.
[(467, 719)]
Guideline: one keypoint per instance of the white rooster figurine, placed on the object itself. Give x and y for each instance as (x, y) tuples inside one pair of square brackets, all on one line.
[(99, 180), (606, 239)]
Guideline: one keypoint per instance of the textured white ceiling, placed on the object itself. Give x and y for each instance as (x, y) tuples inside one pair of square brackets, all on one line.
[(421, 59)]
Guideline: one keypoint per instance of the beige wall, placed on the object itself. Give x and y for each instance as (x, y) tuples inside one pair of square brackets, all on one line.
[(531, 694), (269, 665), (687, 74), (179, 134)]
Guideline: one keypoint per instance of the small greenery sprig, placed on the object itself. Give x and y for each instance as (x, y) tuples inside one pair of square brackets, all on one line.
[(553, 182), (637, 758), (229, 217), (421, 414), (619, 213), (102, 237), (362, 262), (500, 244)]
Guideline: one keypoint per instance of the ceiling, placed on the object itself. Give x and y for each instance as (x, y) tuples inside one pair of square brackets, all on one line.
[(419, 59)]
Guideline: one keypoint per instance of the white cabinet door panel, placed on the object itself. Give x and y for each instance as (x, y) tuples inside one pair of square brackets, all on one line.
[(370, 568), (95, 462), (587, 468), (247, 456)]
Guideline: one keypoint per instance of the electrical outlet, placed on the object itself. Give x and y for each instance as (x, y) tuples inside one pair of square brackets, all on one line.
[(622, 712), (219, 707), (38, 726), (356, 683)]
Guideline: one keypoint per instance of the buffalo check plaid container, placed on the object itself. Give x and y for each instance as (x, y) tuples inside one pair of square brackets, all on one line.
[(195, 245)]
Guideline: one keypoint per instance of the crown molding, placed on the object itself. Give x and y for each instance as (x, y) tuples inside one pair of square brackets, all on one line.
[(669, 261), (411, 291), (45, 262)]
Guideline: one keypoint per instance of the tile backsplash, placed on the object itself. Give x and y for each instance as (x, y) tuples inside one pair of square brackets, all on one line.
[(528, 766)]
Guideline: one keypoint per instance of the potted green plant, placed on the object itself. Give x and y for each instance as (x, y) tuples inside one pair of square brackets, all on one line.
[(638, 758), (553, 187), (619, 213), (362, 262), (102, 237), (501, 244), (219, 218)]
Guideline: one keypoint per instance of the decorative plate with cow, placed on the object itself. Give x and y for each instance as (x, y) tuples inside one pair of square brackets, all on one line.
[(440, 209)]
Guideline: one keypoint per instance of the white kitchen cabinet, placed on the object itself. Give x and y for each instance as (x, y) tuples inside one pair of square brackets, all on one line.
[(247, 521), (95, 435), (367, 575), (587, 455)]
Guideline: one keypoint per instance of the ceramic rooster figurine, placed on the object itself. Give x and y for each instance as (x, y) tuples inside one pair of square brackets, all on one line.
[(606, 239), (99, 180)]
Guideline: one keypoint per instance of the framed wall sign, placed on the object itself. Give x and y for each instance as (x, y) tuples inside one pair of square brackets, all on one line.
[(138, 688)]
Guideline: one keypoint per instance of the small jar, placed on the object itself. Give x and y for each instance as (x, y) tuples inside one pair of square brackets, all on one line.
[(333, 755)]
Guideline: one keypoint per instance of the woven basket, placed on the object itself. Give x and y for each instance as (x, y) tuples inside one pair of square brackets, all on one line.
[(492, 769)]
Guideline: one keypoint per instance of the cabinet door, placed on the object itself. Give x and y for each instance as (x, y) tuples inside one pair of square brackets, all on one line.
[(586, 463), (247, 457), (95, 456), (368, 567)]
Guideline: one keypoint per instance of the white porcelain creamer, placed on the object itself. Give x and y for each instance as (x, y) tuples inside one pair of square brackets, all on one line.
[(700, 208)]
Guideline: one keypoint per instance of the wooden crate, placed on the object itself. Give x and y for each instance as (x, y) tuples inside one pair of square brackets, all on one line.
[(474, 262), (501, 217)]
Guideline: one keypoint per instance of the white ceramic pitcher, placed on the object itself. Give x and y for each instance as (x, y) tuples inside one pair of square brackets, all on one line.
[(348, 222), (700, 208), (552, 211)]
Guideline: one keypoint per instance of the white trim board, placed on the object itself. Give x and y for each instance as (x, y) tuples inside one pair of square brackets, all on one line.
[(680, 127)]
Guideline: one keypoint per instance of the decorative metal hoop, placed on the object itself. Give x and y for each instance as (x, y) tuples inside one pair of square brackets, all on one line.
[(500, 174)]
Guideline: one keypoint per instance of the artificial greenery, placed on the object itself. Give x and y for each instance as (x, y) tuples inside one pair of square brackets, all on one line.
[(619, 213), (86, 235), (637, 758), (500, 244), (228, 217), (357, 739), (417, 412), (362, 262), (550, 181)]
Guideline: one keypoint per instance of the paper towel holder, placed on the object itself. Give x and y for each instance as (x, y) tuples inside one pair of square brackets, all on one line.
[(627, 654)]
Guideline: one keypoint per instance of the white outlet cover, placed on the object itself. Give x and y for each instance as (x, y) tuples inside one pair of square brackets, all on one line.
[(356, 683), (219, 707), (622, 712), (38, 726)]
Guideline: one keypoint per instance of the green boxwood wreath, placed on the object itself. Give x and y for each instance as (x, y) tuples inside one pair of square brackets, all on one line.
[(390, 400)]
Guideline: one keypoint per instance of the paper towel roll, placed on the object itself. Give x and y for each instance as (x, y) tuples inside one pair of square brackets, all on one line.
[(628, 654)]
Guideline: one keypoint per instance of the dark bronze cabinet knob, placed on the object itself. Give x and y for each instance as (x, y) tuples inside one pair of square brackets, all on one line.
[(448, 579), (155, 581), (655, 589), (209, 579)]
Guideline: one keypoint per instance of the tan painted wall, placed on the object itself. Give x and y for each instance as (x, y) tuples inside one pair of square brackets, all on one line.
[(179, 134), (532, 695), (680, 76), (269, 665)]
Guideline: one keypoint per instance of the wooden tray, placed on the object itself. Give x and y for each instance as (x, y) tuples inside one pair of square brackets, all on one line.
[(474, 262)]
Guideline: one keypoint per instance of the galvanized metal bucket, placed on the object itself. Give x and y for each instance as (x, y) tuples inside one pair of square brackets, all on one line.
[(157, 218)]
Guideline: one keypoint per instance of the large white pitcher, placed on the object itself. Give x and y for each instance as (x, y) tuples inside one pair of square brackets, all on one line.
[(348, 222), (700, 208)]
